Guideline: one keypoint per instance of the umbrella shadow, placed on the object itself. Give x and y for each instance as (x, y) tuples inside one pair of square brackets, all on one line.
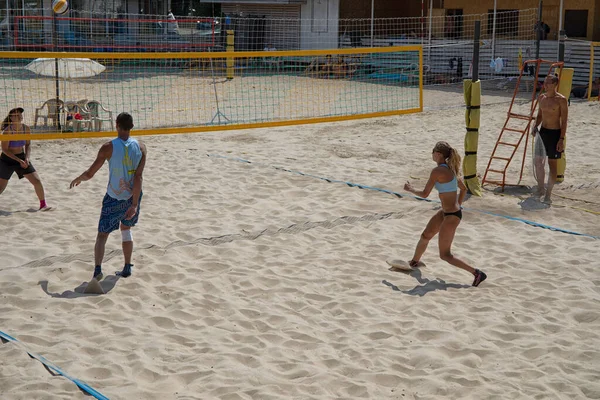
[(107, 285), (425, 285)]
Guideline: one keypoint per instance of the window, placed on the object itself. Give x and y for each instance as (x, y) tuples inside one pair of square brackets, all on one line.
[(507, 23), (576, 23)]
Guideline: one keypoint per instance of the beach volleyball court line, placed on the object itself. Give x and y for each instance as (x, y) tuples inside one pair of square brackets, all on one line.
[(401, 195), (51, 366), (217, 240)]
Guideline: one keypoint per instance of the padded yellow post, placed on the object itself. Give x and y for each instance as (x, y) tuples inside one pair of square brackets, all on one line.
[(591, 78), (472, 92), (564, 88), (230, 48)]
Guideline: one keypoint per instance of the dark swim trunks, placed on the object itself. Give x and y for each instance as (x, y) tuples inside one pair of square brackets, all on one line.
[(550, 137), (8, 167)]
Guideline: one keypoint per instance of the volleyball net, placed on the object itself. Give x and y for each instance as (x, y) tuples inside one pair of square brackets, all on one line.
[(121, 33), (206, 91), (446, 35)]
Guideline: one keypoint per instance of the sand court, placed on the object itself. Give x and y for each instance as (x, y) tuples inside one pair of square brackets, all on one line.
[(252, 282)]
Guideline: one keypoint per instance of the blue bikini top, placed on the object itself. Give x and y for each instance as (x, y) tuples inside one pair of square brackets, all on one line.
[(14, 143), (17, 143), (447, 187)]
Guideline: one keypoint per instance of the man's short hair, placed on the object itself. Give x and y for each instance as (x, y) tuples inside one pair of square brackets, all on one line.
[(125, 121), (553, 78)]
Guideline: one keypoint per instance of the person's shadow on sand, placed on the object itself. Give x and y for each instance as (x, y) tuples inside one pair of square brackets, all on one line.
[(92, 288), (6, 213), (533, 203), (426, 284)]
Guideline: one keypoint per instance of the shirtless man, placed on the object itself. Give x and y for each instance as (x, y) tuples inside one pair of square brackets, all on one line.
[(121, 205), (553, 113)]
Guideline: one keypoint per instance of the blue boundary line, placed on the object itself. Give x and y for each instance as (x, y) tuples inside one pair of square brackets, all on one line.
[(82, 385), (401, 195)]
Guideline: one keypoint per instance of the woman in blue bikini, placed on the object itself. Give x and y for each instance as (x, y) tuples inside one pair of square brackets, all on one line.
[(15, 156), (444, 179)]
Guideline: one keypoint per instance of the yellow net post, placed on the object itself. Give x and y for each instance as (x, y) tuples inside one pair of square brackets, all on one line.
[(564, 88), (472, 92), (230, 49), (591, 78)]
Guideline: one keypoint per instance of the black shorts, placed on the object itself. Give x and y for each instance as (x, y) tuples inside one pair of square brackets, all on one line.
[(8, 166), (550, 138), (455, 213)]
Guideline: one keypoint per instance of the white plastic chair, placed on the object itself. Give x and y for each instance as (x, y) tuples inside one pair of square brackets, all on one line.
[(54, 109), (95, 108)]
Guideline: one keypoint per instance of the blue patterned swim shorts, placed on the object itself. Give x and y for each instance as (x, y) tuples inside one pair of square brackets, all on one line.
[(113, 213)]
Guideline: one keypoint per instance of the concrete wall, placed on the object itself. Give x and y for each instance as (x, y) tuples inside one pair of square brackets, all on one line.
[(319, 29)]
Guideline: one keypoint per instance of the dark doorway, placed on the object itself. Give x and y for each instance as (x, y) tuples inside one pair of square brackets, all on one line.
[(576, 23), (507, 23), (454, 23)]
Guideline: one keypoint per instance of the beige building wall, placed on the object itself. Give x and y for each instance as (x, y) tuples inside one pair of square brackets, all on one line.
[(551, 9)]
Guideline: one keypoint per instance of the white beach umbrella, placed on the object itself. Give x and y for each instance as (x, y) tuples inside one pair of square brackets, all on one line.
[(67, 67)]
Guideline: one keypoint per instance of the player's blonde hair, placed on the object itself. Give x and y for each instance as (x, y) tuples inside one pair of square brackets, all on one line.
[(450, 155)]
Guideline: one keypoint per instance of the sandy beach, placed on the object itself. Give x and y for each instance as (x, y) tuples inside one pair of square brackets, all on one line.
[(253, 282)]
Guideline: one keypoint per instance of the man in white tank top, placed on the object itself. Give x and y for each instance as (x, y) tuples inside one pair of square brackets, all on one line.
[(121, 205)]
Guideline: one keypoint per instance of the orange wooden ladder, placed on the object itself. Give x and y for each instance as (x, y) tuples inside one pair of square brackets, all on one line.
[(507, 134)]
